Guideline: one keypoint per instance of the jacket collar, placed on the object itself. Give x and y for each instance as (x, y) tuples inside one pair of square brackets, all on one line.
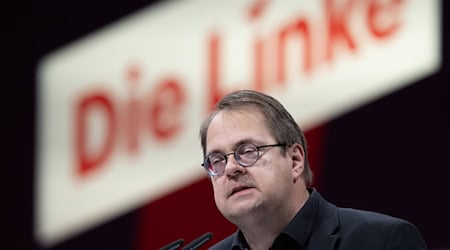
[(326, 226)]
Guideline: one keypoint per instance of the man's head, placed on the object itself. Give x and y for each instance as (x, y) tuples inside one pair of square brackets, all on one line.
[(275, 117), (271, 178)]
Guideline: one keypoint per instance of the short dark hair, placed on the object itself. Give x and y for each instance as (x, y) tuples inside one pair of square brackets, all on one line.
[(279, 121)]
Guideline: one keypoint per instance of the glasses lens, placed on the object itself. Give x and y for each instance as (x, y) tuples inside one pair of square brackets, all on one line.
[(215, 164), (246, 154)]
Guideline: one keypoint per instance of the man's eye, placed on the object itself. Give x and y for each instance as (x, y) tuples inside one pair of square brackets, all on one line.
[(215, 160), (248, 151)]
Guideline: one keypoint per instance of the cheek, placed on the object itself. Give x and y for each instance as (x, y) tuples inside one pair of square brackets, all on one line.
[(218, 191), (269, 167), (275, 174)]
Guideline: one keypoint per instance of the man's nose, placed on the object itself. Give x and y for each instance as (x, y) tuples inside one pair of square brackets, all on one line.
[(233, 168)]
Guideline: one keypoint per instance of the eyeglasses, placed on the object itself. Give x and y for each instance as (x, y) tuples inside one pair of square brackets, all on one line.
[(245, 154)]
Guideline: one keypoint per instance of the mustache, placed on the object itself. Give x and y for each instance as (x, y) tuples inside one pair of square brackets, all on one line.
[(239, 186)]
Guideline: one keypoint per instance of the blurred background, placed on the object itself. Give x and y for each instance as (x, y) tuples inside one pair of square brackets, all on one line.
[(388, 154)]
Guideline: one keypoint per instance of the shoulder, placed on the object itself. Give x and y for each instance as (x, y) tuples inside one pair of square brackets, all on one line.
[(376, 228), (353, 219), (358, 229), (349, 217), (366, 217)]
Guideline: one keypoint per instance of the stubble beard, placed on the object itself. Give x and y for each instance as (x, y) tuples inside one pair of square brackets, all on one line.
[(246, 212)]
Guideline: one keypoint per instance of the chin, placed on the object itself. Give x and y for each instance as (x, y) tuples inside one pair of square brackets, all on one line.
[(242, 209)]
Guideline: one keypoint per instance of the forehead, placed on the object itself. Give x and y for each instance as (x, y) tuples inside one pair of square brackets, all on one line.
[(231, 127)]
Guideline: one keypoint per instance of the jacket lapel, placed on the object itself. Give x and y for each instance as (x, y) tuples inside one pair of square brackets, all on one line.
[(323, 241), (326, 228)]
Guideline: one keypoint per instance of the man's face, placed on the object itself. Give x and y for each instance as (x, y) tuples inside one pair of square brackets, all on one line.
[(263, 187)]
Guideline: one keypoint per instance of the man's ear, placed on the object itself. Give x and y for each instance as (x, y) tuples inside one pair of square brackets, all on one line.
[(297, 155)]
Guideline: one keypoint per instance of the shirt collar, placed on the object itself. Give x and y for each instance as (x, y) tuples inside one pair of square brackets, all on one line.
[(299, 228), (239, 241)]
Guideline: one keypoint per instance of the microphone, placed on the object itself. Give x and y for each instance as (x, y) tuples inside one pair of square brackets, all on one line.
[(200, 241), (173, 245)]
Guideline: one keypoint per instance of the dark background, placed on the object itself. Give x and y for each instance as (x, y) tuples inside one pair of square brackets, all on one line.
[(390, 156)]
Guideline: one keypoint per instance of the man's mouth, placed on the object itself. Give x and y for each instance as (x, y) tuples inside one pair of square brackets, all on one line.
[(239, 189)]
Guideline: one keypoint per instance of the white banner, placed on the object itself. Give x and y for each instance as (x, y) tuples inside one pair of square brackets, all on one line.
[(119, 111)]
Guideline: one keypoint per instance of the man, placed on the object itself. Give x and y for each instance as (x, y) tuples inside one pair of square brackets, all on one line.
[(256, 156)]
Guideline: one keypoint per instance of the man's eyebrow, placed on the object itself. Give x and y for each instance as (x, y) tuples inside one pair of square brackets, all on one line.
[(235, 145), (243, 141)]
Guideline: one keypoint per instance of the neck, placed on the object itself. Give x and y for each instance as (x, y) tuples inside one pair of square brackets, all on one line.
[(261, 229)]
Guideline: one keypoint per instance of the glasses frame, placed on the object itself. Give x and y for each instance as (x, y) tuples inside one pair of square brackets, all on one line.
[(237, 157)]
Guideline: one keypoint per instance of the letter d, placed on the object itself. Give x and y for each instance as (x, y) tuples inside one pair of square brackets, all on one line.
[(88, 161)]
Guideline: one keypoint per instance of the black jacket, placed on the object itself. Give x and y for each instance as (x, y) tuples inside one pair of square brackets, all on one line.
[(344, 228)]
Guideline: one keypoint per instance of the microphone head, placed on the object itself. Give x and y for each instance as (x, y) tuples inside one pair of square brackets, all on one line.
[(200, 241), (173, 245)]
